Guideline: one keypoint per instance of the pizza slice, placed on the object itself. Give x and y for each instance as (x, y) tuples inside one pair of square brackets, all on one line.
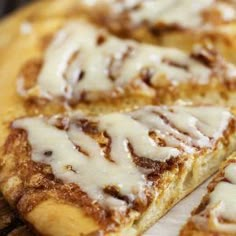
[(83, 64), (216, 214), (113, 174), (180, 23)]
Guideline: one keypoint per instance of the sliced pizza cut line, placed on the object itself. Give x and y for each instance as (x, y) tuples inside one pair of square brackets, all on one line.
[(85, 64), (115, 168), (217, 211)]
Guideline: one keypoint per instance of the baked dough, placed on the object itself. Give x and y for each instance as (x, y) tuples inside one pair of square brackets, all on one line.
[(34, 31), (25, 36), (216, 213), (86, 65), (61, 164), (179, 24)]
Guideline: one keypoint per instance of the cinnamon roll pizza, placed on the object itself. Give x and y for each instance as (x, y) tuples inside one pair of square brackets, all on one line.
[(101, 133), (112, 174), (175, 23), (216, 213)]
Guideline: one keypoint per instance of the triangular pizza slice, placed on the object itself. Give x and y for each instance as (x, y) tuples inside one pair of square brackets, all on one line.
[(113, 174), (83, 64)]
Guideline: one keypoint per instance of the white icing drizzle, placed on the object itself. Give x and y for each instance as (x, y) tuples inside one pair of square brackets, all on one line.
[(197, 130), (225, 194), (89, 167), (74, 53), (26, 28), (230, 173), (184, 13), (228, 12), (222, 205), (122, 128), (89, 172), (224, 198)]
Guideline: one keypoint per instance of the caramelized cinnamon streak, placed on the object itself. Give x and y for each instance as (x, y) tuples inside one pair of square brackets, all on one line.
[(37, 165)]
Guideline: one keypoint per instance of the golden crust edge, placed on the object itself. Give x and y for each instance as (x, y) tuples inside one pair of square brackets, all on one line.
[(43, 215)]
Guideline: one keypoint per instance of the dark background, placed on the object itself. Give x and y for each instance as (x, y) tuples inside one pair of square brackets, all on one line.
[(7, 6)]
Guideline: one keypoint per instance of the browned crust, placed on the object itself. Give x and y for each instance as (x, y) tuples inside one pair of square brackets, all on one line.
[(163, 93), (37, 183), (40, 184)]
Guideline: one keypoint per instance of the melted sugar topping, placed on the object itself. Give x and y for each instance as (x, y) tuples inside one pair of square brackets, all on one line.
[(183, 130), (84, 60), (224, 198)]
